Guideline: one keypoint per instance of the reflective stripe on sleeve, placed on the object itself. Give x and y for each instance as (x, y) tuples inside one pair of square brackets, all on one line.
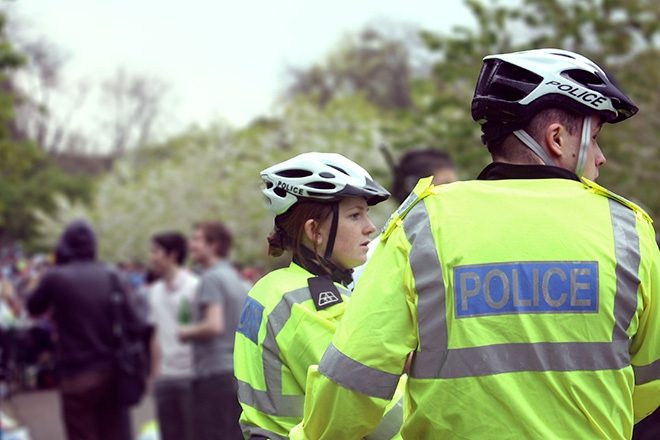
[(430, 287), (359, 377), (390, 424), (647, 373), (253, 430), (270, 403)]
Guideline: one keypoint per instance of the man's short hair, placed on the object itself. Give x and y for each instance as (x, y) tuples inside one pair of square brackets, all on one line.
[(536, 128), (172, 242), (218, 235), (416, 164)]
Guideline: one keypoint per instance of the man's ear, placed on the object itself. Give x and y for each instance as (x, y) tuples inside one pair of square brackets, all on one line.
[(311, 228), (555, 139)]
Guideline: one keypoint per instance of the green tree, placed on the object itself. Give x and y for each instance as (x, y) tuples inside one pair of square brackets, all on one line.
[(214, 174), (28, 179)]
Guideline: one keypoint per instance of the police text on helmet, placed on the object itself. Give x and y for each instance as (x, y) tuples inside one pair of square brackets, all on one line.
[(585, 95)]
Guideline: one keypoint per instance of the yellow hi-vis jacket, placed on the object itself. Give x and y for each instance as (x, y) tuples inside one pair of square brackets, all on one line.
[(531, 307), (280, 335)]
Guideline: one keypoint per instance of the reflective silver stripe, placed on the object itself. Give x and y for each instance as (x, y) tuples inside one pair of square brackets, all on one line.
[(541, 356), (626, 248), (352, 374), (277, 318), (253, 430), (270, 403), (647, 373), (430, 286), (390, 424)]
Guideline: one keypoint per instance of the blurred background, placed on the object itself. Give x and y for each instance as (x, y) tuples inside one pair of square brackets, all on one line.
[(140, 117), (144, 116)]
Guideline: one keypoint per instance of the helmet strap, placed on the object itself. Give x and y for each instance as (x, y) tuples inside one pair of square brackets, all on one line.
[(536, 148), (584, 146), (333, 231)]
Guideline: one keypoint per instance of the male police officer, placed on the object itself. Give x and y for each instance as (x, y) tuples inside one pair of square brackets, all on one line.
[(528, 297)]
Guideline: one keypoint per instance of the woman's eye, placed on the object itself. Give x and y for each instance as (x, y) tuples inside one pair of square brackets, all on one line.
[(355, 216)]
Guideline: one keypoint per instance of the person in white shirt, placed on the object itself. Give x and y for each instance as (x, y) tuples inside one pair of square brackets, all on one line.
[(170, 299)]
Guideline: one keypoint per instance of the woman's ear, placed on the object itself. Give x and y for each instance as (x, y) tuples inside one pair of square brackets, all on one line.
[(311, 228)]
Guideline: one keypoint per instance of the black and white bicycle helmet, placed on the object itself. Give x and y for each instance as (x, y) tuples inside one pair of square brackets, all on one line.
[(325, 177), (514, 87)]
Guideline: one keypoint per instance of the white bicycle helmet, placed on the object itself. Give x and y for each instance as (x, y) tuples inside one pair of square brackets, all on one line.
[(325, 177), (514, 87)]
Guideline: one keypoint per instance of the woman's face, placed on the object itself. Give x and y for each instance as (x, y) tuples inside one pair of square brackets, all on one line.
[(353, 230)]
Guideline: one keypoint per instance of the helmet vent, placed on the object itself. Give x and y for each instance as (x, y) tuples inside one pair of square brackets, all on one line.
[(327, 175), (563, 55), (583, 77), (518, 74), (338, 169), (269, 184), (321, 185), (295, 173), (506, 92), (280, 192)]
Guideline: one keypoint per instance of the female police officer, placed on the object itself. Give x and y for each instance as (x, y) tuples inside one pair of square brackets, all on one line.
[(320, 202)]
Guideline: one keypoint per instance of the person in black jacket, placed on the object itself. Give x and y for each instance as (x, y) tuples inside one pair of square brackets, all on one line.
[(77, 292)]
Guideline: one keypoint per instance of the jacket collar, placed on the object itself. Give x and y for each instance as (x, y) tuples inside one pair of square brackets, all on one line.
[(501, 171)]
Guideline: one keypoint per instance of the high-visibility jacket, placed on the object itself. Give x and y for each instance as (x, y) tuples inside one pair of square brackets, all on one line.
[(282, 332), (531, 306)]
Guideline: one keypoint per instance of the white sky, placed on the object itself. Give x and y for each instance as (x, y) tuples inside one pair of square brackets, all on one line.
[(223, 59)]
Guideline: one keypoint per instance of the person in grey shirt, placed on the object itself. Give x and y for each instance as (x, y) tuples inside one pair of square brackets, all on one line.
[(215, 314)]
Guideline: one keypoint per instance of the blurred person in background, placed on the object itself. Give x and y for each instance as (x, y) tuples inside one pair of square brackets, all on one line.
[(215, 313), (414, 165), (170, 299), (78, 293), (419, 163), (320, 203), (10, 306)]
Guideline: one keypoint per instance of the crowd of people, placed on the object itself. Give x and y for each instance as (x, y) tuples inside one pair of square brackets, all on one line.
[(520, 304)]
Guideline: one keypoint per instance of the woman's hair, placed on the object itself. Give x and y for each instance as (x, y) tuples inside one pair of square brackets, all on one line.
[(289, 227)]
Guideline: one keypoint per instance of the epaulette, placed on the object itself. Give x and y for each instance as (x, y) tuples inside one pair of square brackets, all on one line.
[(423, 189), (610, 195)]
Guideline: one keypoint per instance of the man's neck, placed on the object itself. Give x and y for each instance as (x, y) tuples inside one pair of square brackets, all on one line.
[(170, 275), (212, 261)]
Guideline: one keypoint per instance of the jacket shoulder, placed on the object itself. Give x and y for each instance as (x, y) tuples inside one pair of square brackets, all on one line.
[(423, 189), (604, 192)]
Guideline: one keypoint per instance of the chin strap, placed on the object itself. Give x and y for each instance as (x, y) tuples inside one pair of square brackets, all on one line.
[(585, 138), (333, 231), (309, 260), (531, 143), (584, 146)]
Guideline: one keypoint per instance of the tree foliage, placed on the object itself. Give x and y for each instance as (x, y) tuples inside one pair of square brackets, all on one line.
[(28, 179), (214, 174)]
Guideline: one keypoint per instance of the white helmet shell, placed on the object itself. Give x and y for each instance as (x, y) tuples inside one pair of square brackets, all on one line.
[(323, 177), (515, 86)]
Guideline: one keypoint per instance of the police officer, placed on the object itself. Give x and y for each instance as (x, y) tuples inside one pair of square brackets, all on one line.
[(320, 202), (528, 297)]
